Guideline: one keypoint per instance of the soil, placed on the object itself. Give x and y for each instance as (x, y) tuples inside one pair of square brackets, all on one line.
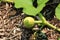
[(11, 25)]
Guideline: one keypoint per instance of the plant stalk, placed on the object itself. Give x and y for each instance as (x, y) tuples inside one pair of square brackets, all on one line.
[(52, 26), (37, 21), (47, 23)]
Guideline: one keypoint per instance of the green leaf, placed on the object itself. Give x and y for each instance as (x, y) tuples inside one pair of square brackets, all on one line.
[(41, 4), (57, 11), (22, 3), (58, 38), (28, 7), (0, 0), (7, 0)]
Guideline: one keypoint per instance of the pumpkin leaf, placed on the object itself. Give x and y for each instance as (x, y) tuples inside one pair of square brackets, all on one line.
[(7, 0), (28, 7), (57, 11)]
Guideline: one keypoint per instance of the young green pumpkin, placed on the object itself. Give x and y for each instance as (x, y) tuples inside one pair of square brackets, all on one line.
[(28, 22)]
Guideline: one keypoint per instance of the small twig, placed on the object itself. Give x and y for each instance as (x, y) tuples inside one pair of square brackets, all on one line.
[(15, 35)]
